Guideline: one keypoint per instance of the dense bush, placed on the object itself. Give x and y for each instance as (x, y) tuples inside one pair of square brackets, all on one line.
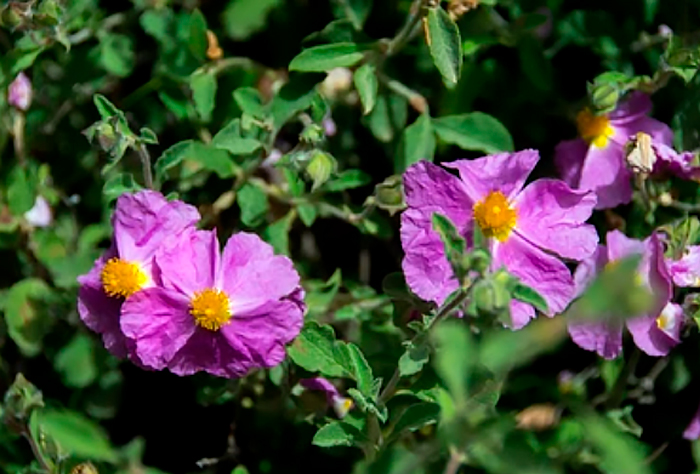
[(455, 236)]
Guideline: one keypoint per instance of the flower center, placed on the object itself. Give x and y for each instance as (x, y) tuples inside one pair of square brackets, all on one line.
[(121, 278), (210, 308), (495, 216), (594, 129)]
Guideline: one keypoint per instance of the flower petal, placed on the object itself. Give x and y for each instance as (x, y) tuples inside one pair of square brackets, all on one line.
[(692, 432), (543, 272), (143, 220), (431, 189), (211, 352), (605, 173), (569, 156), (552, 216), (603, 338), (158, 320), (686, 271), (251, 274), (188, 262), (648, 337), (636, 105), (659, 131), (589, 268), (505, 172)]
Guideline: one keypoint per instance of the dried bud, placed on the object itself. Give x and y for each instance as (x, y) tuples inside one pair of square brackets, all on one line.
[(214, 51), (639, 155), (19, 94), (457, 8), (338, 81), (538, 417)]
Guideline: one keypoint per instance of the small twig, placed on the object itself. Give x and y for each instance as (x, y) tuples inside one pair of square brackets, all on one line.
[(657, 452), (453, 464), (417, 101), (36, 451), (617, 392), (145, 164), (409, 30)]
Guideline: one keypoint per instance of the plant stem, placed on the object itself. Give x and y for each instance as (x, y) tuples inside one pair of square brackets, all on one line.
[(146, 165), (390, 387), (36, 451), (408, 31), (417, 101), (453, 464), (618, 390)]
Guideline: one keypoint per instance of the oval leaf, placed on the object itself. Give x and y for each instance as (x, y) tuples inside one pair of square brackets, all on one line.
[(445, 45), (326, 57)]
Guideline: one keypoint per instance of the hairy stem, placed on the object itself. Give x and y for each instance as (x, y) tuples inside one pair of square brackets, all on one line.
[(145, 164)]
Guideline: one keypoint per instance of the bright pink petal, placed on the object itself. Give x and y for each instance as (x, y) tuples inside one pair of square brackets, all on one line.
[(430, 189), (208, 351), (620, 246), (569, 156), (189, 262), (546, 274), (251, 274), (686, 271), (552, 216), (648, 337), (159, 322), (692, 432), (605, 173), (505, 172), (636, 105), (520, 314), (603, 338), (589, 268)]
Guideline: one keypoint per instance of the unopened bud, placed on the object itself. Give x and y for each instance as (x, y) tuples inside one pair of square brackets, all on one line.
[(12, 16), (106, 136), (214, 51), (19, 94), (480, 260), (665, 199), (320, 168), (389, 194), (48, 13), (85, 468), (338, 81), (490, 296), (603, 97), (538, 417), (312, 134)]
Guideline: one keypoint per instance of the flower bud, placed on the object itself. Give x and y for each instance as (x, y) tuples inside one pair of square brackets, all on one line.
[(338, 81), (11, 16), (603, 97), (312, 134), (491, 296), (320, 168), (480, 260), (48, 13), (19, 94), (389, 194), (40, 215)]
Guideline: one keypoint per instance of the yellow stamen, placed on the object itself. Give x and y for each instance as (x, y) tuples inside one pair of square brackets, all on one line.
[(211, 309), (595, 129), (494, 216), (121, 278)]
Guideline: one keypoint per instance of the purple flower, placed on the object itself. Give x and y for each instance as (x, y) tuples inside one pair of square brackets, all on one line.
[(654, 333), (220, 313), (141, 222), (341, 405), (528, 230), (685, 271), (596, 160), (19, 94), (669, 161), (692, 432)]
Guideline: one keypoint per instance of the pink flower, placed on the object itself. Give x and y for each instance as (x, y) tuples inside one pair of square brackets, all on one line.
[(596, 160), (692, 432), (654, 333), (141, 222), (686, 270), (669, 161), (529, 230), (341, 405), (222, 314), (19, 94)]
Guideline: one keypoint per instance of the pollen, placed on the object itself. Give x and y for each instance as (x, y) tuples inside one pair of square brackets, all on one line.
[(211, 309), (495, 216), (121, 278), (595, 129)]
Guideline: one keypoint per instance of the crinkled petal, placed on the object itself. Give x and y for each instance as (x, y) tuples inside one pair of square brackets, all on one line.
[(209, 351), (692, 432), (669, 161), (505, 172), (251, 274), (686, 271), (569, 156), (659, 131), (552, 216), (159, 322), (545, 273), (265, 331), (603, 338), (430, 189), (605, 173), (189, 262), (636, 105), (142, 221)]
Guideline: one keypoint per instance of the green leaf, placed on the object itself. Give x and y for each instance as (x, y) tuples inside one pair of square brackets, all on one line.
[(474, 131), (249, 101), (172, 157), (116, 54), (454, 356), (417, 143), (76, 434), (240, 470), (105, 107), (320, 168), (445, 45), (348, 179), (326, 57), (356, 11), (20, 190), (413, 360), (76, 362), (455, 245), (26, 315), (528, 295), (277, 233), (416, 416), (198, 35), (229, 138), (242, 18), (338, 433), (357, 365), (212, 159), (119, 184), (307, 214), (203, 85), (622, 418), (253, 204), (295, 96), (367, 85)]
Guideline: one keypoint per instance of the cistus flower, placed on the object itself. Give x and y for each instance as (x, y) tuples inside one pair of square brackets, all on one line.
[(19, 94), (528, 230), (141, 223), (596, 160), (685, 271), (656, 332), (692, 432), (220, 313), (341, 405)]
